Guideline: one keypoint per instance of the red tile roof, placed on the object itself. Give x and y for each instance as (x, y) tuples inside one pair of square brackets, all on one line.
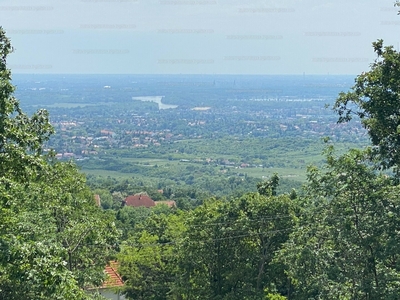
[(113, 278), (139, 200)]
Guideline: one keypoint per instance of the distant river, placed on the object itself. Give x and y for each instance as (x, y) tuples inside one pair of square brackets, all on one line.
[(156, 99)]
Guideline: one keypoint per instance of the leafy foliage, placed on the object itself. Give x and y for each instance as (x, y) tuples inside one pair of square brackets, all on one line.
[(375, 100), (229, 247), (54, 241), (220, 250), (338, 239), (149, 259), (269, 187), (344, 245)]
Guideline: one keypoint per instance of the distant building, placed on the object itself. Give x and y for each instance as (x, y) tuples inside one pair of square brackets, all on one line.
[(137, 200), (142, 199)]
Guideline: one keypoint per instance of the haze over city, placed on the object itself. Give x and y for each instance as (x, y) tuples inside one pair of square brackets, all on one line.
[(196, 36)]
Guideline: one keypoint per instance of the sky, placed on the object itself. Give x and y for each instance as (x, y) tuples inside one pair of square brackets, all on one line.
[(197, 36)]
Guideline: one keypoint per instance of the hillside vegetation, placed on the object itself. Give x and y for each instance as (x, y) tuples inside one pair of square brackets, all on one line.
[(239, 230)]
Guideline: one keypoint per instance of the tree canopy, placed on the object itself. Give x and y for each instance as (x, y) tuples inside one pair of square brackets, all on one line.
[(344, 246), (335, 239), (54, 241), (375, 99)]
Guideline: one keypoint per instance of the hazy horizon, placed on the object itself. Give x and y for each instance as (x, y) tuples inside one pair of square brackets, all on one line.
[(228, 37)]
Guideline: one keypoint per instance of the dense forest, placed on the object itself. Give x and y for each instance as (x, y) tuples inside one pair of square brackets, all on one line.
[(333, 235)]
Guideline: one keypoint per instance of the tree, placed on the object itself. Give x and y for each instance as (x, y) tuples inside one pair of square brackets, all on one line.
[(269, 187), (54, 241), (220, 250), (228, 248), (375, 99), (21, 137), (148, 258), (344, 246)]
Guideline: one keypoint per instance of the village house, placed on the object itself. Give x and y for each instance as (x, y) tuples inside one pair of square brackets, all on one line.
[(112, 286), (142, 199)]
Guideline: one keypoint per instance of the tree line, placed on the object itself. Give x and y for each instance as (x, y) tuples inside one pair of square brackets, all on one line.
[(336, 238)]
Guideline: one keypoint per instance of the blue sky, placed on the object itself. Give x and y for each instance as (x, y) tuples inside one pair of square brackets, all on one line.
[(197, 36)]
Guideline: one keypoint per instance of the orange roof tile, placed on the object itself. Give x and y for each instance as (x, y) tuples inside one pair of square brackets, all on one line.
[(113, 278), (139, 200)]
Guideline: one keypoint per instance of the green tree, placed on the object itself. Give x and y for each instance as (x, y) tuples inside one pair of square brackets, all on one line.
[(228, 248), (128, 217), (21, 137), (106, 199), (375, 100), (149, 259), (344, 246), (269, 187), (54, 241)]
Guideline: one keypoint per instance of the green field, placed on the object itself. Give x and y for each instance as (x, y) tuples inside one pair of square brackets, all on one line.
[(211, 164)]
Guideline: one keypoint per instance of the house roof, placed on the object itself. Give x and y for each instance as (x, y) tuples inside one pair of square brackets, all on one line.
[(113, 278), (139, 200)]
